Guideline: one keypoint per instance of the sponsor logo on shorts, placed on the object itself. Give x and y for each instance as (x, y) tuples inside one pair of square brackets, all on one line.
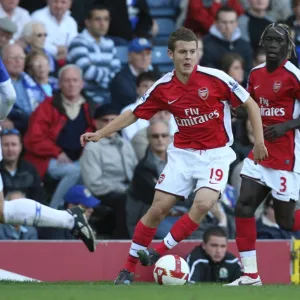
[(161, 178)]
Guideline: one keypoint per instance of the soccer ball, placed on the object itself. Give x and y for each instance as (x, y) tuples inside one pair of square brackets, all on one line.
[(171, 270)]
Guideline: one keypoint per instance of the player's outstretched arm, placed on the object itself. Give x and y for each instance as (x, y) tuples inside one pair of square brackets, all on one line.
[(125, 119), (259, 150), (7, 98)]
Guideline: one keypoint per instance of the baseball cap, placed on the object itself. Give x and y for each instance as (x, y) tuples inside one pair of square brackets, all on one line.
[(79, 194), (139, 45), (104, 110), (6, 24)]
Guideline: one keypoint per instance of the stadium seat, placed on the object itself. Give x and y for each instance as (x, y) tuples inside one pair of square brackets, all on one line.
[(161, 60), (166, 27), (122, 52), (163, 8)]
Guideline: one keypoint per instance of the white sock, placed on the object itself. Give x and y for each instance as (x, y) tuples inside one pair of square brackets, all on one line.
[(29, 212), (169, 241), (249, 262), (134, 248)]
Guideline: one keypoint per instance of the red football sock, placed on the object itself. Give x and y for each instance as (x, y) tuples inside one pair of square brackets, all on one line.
[(142, 238), (296, 225), (183, 228), (245, 240), (245, 233)]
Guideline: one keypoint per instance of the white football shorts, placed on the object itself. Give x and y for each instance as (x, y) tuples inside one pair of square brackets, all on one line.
[(189, 170), (285, 185)]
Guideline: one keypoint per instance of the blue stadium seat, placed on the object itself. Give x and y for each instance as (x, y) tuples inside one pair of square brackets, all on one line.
[(122, 52), (166, 27), (163, 8), (161, 59)]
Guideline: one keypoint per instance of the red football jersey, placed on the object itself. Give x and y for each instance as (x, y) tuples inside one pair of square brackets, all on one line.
[(200, 107), (277, 96)]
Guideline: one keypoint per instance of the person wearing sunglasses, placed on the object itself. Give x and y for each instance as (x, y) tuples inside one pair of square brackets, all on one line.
[(34, 36)]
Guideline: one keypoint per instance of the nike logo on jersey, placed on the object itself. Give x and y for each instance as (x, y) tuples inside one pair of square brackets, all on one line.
[(256, 87), (213, 182), (172, 101)]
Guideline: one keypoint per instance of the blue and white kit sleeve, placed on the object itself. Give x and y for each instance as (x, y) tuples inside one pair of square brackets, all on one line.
[(7, 92)]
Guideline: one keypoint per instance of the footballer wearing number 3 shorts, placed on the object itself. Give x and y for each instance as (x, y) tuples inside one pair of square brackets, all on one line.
[(199, 99), (275, 86)]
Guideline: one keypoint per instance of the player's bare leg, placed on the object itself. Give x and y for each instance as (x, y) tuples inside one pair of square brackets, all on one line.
[(145, 231), (251, 196), (26, 211), (204, 200)]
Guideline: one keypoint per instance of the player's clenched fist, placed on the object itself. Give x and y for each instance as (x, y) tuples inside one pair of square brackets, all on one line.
[(260, 152), (89, 137)]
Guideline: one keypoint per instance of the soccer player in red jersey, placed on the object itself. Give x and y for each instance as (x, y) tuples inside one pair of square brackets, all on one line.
[(200, 156), (275, 86)]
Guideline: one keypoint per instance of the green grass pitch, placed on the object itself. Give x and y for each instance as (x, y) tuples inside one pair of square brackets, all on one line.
[(140, 291)]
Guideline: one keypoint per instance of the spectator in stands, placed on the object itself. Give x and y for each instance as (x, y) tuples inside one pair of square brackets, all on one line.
[(96, 55), (60, 26), (259, 57), (210, 261), (225, 36), (143, 83), (7, 29), (123, 86), (266, 225), (277, 9), (38, 67), (147, 173), (201, 14), (140, 141), (233, 64), (17, 232), (28, 92), (18, 174), (52, 140), (200, 50), (107, 168), (76, 195), (34, 37), (18, 15), (254, 22), (294, 23), (135, 19)]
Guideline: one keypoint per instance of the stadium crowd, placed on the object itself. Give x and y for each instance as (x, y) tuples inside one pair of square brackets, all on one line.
[(76, 65)]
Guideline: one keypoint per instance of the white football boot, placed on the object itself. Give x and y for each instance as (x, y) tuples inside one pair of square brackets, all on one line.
[(245, 280)]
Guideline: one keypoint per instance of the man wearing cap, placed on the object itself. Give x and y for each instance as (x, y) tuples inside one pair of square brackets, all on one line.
[(107, 168), (7, 29), (16, 14), (123, 86), (96, 55), (76, 195)]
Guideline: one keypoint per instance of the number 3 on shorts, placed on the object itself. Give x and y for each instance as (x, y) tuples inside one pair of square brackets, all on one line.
[(282, 184), (215, 175)]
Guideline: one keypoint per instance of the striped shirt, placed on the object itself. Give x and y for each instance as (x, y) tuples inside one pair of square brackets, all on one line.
[(98, 61)]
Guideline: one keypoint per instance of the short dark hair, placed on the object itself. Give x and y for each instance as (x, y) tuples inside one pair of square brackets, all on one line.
[(181, 34), (149, 75), (224, 9), (214, 231), (89, 13), (228, 59)]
